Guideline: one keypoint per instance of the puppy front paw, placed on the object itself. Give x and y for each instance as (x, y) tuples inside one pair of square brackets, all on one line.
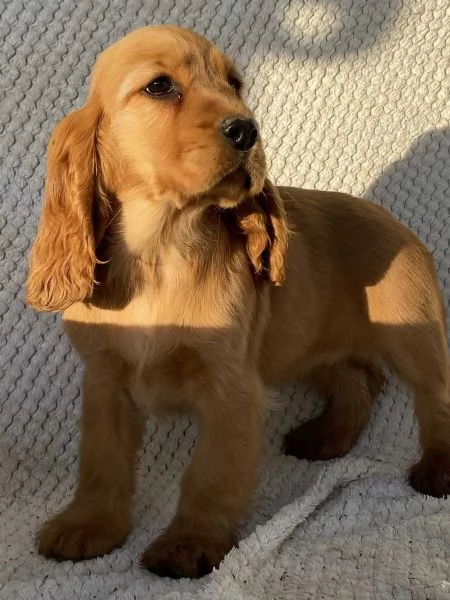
[(78, 533), (186, 556), (431, 475)]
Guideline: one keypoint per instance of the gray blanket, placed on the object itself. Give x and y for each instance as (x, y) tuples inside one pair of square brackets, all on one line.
[(351, 95)]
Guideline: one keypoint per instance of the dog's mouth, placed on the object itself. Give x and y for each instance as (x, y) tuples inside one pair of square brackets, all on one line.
[(238, 176), (239, 181), (232, 187)]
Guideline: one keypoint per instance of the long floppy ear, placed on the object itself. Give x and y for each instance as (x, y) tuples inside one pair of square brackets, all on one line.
[(262, 219), (63, 256)]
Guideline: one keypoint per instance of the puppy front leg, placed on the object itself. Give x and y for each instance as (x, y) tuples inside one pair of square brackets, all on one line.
[(99, 517), (218, 485)]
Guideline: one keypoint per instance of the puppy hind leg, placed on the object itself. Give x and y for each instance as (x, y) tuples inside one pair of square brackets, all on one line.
[(419, 353), (350, 388), (431, 475)]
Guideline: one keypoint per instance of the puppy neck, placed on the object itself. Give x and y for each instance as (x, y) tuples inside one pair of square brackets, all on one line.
[(148, 227), (153, 232)]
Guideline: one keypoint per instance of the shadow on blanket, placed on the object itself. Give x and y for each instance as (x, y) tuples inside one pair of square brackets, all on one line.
[(415, 190)]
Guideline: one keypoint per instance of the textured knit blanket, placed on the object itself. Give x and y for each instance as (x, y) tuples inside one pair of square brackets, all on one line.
[(351, 95)]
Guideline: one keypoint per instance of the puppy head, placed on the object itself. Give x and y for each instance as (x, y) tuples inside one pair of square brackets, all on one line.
[(174, 114), (164, 120)]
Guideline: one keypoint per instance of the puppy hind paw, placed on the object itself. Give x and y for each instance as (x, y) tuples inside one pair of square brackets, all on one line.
[(317, 440), (431, 475)]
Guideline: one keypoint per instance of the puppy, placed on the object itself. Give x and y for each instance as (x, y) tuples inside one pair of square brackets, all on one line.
[(189, 282)]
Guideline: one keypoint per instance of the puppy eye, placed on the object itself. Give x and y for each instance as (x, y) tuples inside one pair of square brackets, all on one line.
[(161, 86), (235, 83)]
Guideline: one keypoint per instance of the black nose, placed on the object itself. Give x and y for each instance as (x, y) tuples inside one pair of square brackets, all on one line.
[(241, 133)]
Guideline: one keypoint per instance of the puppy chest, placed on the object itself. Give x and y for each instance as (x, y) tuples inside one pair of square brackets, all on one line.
[(171, 382)]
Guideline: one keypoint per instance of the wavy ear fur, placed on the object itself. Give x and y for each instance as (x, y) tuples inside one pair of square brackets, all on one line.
[(63, 256), (262, 219)]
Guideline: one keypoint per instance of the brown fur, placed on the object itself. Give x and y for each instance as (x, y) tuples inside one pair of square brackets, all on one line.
[(159, 241)]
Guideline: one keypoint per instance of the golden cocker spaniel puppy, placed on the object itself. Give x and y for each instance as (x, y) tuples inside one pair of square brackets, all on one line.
[(189, 282)]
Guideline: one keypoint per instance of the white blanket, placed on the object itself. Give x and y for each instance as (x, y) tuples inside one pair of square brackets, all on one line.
[(351, 95)]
